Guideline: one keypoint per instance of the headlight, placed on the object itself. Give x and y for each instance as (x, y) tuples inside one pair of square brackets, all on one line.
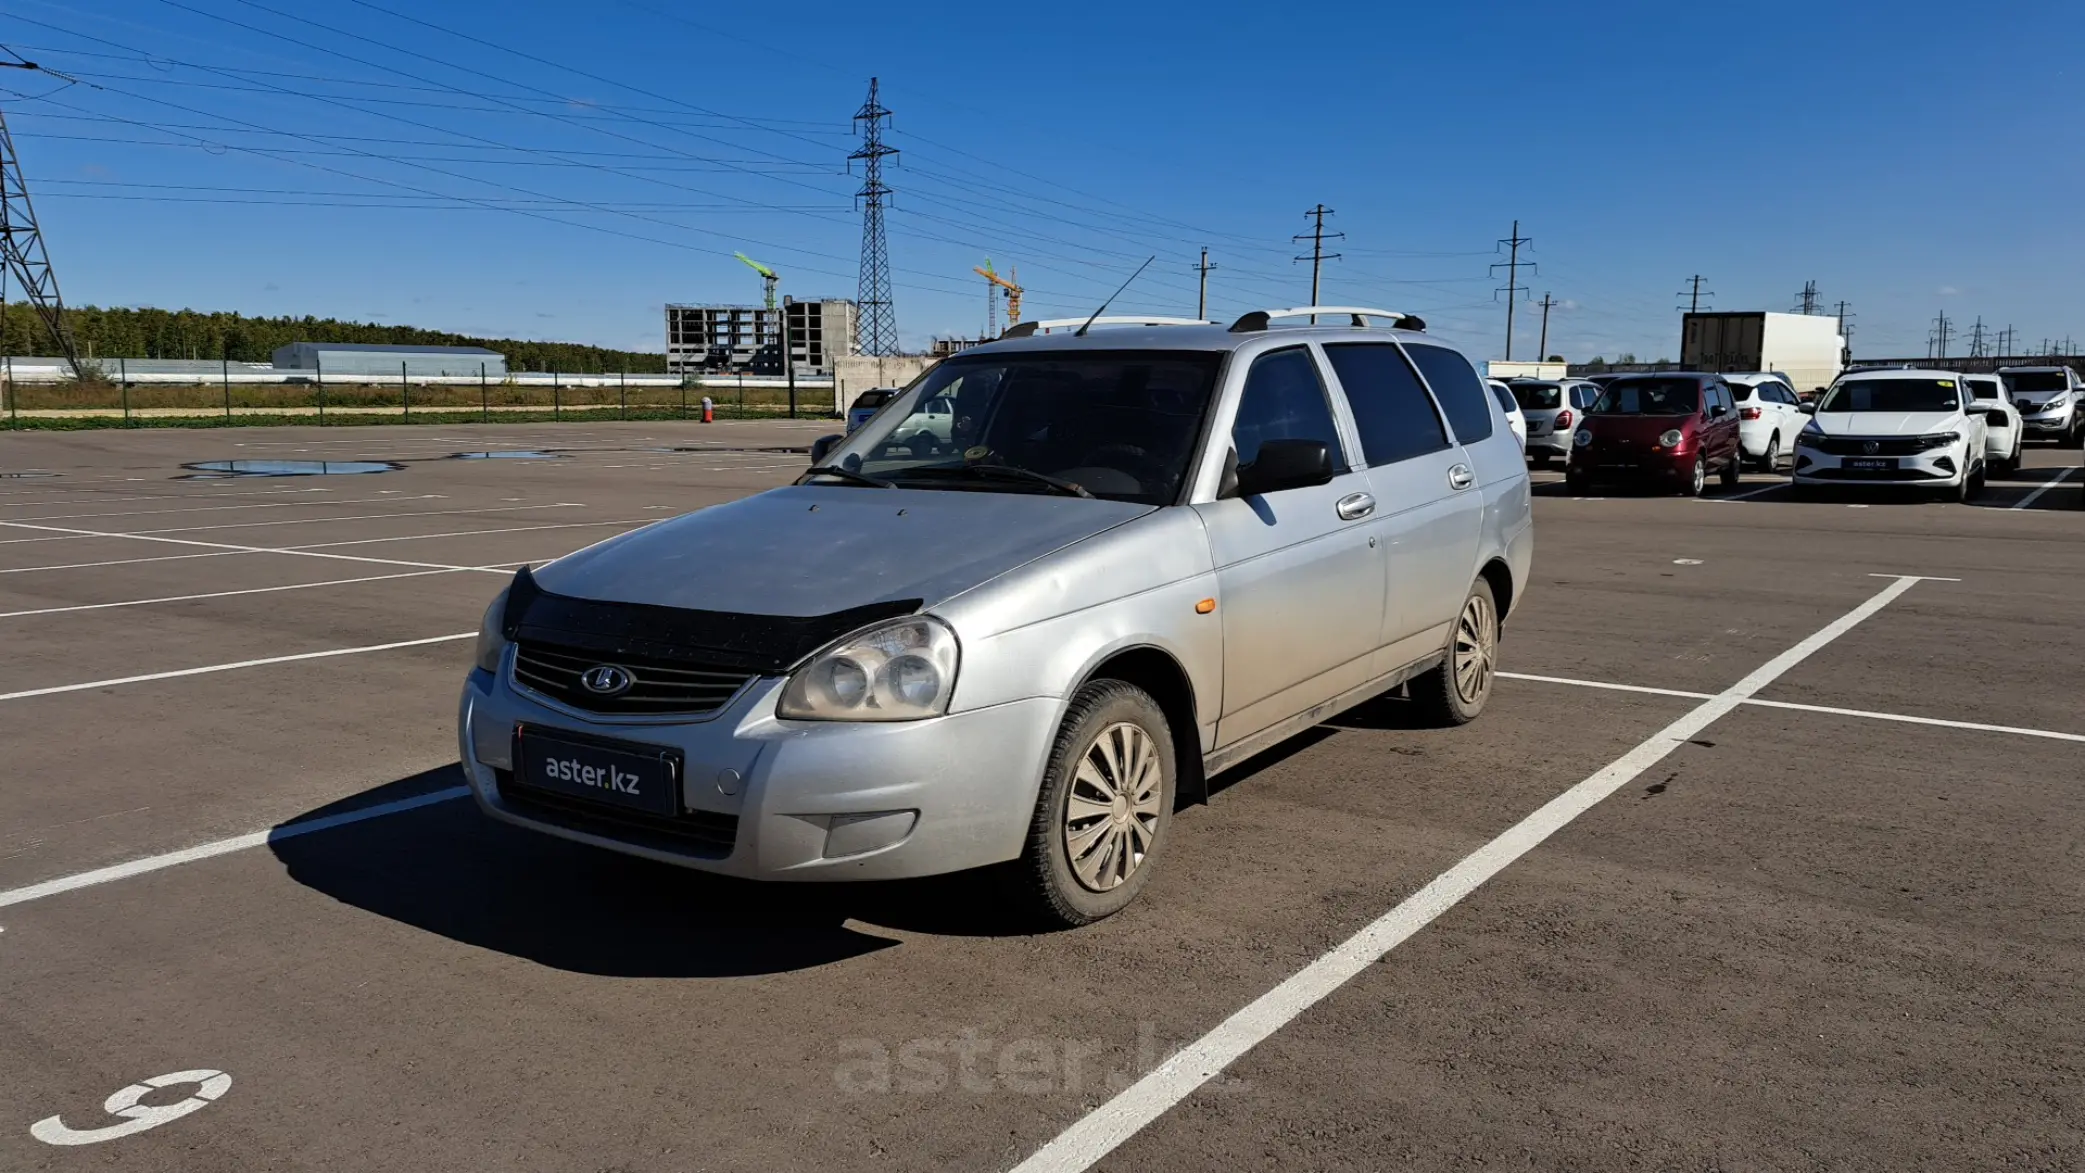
[(1811, 436), (1583, 438), (1670, 438), (492, 642), (1938, 439), (901, 671)]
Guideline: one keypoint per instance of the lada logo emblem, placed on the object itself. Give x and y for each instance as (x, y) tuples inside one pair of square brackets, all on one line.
[(607, 680)]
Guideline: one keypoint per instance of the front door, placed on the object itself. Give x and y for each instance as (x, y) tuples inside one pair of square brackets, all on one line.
[(1300, 576)]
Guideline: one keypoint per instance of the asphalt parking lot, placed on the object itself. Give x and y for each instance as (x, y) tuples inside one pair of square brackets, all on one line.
[(1767, 854)]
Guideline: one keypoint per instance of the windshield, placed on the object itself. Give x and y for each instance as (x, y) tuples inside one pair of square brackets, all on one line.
[(1119, 424), (1538, 396), (1892, 395), (2036, 381), (1649, 397), (1983, 388), (869, 399)]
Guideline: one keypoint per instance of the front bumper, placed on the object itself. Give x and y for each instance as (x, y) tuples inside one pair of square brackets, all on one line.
[(1935, 468), (1622, 464), (2048, 425), (788, 800)]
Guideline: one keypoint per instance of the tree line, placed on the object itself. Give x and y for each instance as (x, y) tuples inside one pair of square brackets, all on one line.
[(192, 334)]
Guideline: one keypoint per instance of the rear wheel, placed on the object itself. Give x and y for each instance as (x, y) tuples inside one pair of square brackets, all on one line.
[(1454, 693), (1699, 478), (1771, 459), (1105, 805), (1733, 469)]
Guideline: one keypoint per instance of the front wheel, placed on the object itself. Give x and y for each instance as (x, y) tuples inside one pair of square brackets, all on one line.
[(1699, 479), (1454, 693), (1105, 805)]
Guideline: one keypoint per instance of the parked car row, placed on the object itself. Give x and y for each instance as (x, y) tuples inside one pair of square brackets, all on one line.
[(1906, 427)]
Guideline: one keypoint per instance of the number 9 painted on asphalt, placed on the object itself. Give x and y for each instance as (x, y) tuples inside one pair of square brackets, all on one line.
[(136, 1117)]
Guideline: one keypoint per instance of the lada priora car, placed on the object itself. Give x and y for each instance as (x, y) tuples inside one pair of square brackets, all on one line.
[(1144, 554)]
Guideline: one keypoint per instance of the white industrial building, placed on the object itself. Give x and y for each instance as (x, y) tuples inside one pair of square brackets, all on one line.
[(356, 360)]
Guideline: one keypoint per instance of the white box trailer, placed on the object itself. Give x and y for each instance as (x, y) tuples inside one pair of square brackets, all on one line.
[(1499, 368), (1805, 347)]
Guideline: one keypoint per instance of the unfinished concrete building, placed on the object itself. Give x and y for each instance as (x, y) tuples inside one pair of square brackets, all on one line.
[(748, 339)]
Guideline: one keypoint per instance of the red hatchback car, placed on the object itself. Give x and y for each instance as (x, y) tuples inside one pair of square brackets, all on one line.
[(1666, 429)]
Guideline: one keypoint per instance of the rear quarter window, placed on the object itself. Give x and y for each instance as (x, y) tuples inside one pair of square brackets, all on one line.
[(1458, 389)]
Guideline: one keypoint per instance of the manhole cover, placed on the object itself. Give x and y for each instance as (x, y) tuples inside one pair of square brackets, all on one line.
[(291, 468)]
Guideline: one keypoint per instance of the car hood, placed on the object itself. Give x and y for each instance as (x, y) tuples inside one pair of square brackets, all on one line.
[(817, 549), (1888, 423)]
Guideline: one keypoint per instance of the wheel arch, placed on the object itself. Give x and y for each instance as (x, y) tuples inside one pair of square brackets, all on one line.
[(1160, 674), (1500, 576)]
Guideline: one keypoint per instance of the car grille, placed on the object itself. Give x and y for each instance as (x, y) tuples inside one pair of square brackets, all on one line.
[(1884, 446), (660, 687), (699, 833), (1876, 474)]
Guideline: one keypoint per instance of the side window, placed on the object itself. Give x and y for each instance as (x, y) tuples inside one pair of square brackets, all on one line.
[(1392, 411), (1455, 384), (1284, 400), (1582, 396)]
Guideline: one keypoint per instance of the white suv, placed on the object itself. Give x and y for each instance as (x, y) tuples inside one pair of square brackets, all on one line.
[(1770, 416), (1895, 427), (2048, 401)]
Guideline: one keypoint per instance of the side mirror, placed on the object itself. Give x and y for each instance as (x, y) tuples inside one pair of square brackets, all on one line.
[(1718, 411), (1285, 464), (822, 447), (1807, 408)]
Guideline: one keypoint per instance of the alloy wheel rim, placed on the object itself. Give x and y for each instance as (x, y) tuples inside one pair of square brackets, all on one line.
[(1701, 474), (1111, 812), (1476, 650)]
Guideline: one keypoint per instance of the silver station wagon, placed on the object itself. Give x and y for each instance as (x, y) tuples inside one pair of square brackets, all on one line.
[(1143, 553)]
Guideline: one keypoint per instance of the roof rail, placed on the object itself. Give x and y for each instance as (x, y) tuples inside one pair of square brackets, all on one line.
[(1357, 316), (1025, 329)]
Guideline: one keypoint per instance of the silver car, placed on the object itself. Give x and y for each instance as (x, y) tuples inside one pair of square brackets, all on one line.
[(1552, 411), (1148, 554)]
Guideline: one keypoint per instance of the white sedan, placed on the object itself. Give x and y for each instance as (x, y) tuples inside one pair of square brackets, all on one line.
[(1907, 428), (1770, 416), (1515, 419), (2003, 434)]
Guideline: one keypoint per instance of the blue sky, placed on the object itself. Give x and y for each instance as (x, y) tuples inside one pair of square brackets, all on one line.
[(1910, 158)]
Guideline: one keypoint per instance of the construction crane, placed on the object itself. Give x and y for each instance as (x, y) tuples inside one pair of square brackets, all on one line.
[(1011, 283), (767, 277)]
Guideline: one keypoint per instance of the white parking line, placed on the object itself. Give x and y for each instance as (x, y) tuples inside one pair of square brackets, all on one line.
[(236, 549), (299, 548), (1796, 706), (2045, 486), (192, 529), (1753, 493), (296, 586), (1094, 1136), (81, 495), (120, 562), (225, 846), (207, 669), (229, 508)]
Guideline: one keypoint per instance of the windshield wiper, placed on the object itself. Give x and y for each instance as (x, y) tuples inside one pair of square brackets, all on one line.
[(848, 474), (1015, 472)]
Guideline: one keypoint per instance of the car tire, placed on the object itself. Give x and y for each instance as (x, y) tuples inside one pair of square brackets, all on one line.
[(1733, 470), (1110, 727), (1699, 480), (1771, 458), (1454, 692)]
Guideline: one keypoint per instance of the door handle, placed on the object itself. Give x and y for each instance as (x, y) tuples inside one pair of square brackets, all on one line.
[(1355, 506), (1460, 477)]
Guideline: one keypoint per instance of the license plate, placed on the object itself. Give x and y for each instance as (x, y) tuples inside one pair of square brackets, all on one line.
[(1869, 462), (612, 773)]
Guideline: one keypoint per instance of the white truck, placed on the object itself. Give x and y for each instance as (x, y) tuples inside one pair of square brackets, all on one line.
[(1805, 347), (1502, 370)]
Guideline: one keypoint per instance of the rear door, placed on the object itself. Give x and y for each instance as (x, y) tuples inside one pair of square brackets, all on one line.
[(1300, 577), (1429, 506)]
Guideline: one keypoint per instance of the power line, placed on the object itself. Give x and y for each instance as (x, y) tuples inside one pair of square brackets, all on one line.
[(1936, 340), (1513, 287), (1806, 302), (1976, 338), (23, 256), (1318, 256), (879, 317)]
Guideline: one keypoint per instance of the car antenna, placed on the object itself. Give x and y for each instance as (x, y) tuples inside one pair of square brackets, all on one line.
[(1081, 331)]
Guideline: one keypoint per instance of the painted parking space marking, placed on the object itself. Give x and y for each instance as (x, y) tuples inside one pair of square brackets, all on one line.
[(229, 508), (207, 669), (1100, 1132), (136, 1117), (295, 586), (2061, 476), (289, 550)]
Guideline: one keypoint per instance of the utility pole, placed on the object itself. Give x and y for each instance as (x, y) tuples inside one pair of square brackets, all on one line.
[(2006, 339), (1693, 296), (1202, 298), (1943, 327), (1807, 305), (1976, 338), (1512, 290), (1318, 256), (1845, 334), (1542, 348), (878, 316)]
